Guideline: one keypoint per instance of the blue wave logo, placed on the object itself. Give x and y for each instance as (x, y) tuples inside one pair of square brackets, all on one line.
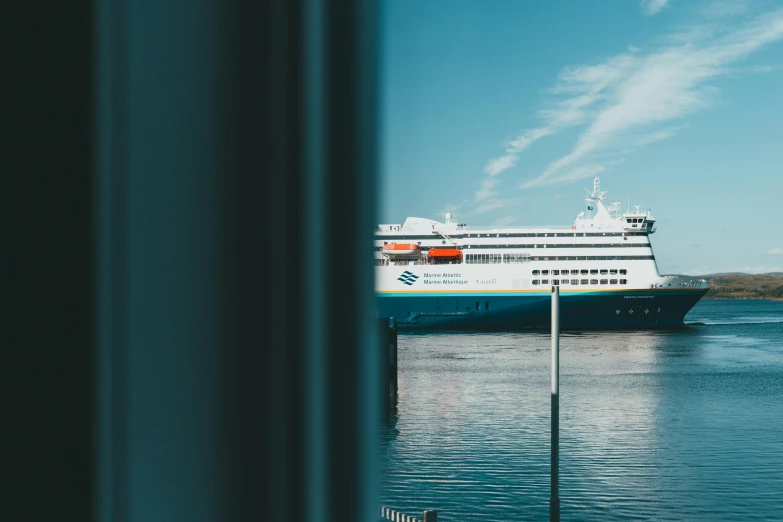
[(408, 278)]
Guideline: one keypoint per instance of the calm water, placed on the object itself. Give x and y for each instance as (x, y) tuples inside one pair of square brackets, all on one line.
[(683, 425)]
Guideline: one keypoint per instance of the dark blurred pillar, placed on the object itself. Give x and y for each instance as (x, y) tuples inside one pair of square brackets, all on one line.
[(45, 261), (236, 204)]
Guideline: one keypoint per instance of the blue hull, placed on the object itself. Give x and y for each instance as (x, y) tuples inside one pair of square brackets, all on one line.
[(626, 309)]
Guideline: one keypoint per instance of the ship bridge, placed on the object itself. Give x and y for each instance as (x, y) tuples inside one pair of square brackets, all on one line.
[(603, 216)]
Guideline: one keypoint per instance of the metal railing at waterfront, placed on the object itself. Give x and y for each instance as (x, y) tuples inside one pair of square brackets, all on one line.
[(429, 515)]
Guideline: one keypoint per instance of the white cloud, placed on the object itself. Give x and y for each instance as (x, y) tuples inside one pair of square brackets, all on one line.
[(634, 94), (486, 189), (635, 98), (492, 169), (721, 8), (652, 7), (761, 69), (489, 206), (505, 220), (582, 172), (498, 165), (775, 252)]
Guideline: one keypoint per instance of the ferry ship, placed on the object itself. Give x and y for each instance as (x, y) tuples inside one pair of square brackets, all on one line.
[(434, 276)]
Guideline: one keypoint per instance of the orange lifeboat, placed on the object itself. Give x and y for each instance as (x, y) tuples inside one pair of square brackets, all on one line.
[(401, 249), (444, 255)]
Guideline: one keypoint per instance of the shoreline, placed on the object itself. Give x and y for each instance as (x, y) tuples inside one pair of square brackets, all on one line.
[(706, 298)]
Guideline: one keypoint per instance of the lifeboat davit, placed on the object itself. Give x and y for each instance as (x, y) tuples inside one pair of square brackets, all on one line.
[(445, 254), (401, 249)]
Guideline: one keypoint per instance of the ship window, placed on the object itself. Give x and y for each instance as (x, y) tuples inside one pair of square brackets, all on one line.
[(545, 272), (516, 258), (385, 242), (545, 281), (584, 272), (555, 272), (628, 220), (623, 281), (604, 272), (623, 271), (535, 281), (536, 272), (585, 281), (575, 281), (594, 281), (604, 281), (613, 271), (555, 281), (564, 282), (613, 281), (486, 305), (478, 305), (574, 272), (592, 272)]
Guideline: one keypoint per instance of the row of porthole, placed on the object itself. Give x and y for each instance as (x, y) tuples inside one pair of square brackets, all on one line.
[(583, 271), (577, 281), (630, 311)]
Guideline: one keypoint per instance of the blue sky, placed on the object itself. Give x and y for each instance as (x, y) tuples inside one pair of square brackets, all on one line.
[(503, 111)]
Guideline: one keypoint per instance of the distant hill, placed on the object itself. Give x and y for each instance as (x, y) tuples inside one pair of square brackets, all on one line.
[(721, 274), (744, 286)]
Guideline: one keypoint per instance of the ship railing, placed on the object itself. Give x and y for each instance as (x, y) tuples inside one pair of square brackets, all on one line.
[(404, 262), (538, 227), (672, 281)]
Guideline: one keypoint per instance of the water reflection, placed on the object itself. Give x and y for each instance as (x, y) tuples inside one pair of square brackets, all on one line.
[(652, 424)]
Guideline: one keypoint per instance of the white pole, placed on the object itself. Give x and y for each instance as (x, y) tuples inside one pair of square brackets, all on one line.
[(554, 499)]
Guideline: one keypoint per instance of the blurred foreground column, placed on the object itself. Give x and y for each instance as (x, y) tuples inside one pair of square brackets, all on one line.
[(235, 202)]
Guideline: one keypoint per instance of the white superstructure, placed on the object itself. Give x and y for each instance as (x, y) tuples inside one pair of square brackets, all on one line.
[(602, 250)]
